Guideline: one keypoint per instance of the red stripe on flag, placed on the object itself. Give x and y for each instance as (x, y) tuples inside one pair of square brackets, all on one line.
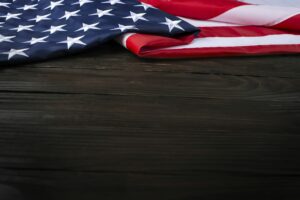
[(138, 43), (194, 9), (221, 51), (292, 23)]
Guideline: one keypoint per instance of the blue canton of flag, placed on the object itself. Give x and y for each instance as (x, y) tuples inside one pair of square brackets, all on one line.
[(39, 29)]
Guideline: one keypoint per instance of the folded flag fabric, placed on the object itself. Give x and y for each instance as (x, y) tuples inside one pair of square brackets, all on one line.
[(228, 27), (39, 29)]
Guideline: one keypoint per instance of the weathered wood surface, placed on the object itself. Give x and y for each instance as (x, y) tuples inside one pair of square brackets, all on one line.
[(107, 125)]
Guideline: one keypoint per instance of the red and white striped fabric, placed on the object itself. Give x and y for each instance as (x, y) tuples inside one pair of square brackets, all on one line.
[(228, 27)]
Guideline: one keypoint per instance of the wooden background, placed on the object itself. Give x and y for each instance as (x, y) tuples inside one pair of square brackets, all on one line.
[(108, 125)]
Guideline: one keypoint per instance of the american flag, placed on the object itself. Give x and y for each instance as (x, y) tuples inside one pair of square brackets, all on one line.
[(39, 29), (228, 27)]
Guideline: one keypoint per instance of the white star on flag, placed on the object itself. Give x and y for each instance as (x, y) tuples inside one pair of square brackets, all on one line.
[(14, 52), (122, 28), (145, 6), (172, 24), (54, 29), (70, 14), (71, 41), (113, 2), (23, 28), (37, 40), (136, 16), (28, 7), (39, 18), (86, 27), (82, 2), (6, 38), (101, 13), (54, 4), (11, 16), (6, 5)]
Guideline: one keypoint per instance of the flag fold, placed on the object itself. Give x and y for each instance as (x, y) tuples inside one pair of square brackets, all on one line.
[(228, 28)]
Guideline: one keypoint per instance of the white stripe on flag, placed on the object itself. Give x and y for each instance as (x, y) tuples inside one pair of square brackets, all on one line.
[(284, 3), (259, 15), (123, 39), (283, 39), (202, 23)]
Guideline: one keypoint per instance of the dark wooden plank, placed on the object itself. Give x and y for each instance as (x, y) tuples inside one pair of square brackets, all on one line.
[(161, 134), (61, 185), (89, 81)]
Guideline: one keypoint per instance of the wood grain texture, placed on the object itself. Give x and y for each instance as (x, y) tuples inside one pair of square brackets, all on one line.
[(107, 125)]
